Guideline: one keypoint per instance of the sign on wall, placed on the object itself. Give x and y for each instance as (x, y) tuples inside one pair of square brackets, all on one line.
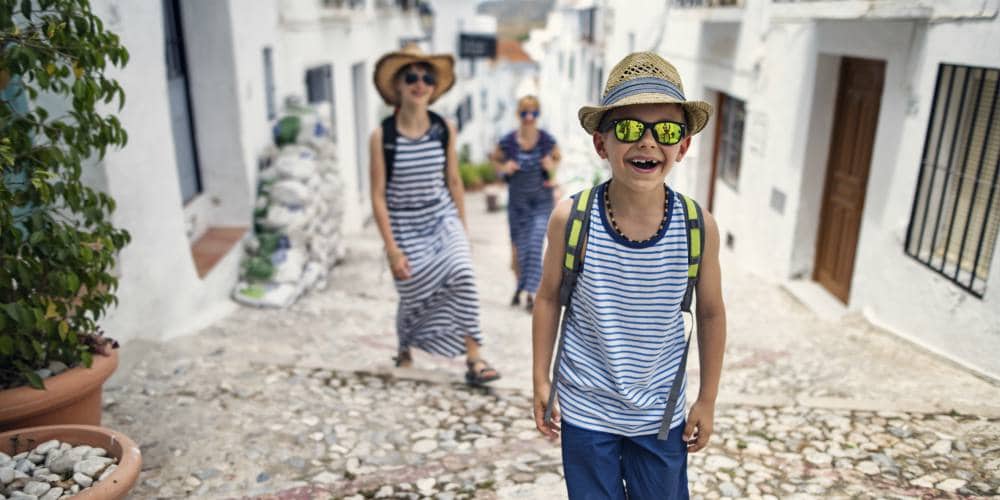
[(476, 45)]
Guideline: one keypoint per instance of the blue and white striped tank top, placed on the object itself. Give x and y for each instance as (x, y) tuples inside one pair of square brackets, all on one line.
[(418, 174), (625, 332)]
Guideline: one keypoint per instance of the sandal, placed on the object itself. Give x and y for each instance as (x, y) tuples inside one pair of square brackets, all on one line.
[(529, 304), (480, 377), (403, 359), (516, 301)]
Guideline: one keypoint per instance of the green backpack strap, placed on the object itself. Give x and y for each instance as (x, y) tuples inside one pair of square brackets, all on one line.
[(694, 222), (577, 226)]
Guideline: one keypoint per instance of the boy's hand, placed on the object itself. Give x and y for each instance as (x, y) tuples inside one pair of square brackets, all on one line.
[(699, 425), (551, 429)]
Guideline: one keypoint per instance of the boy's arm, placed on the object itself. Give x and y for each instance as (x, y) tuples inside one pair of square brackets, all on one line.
[(545, 318), (711, 314)]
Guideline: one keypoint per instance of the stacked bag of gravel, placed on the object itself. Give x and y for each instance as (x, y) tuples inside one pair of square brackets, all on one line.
[(298, 216)]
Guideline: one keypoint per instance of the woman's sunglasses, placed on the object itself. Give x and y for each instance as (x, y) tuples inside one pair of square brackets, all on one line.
[(411, 78), (630, 130), (532, 113)]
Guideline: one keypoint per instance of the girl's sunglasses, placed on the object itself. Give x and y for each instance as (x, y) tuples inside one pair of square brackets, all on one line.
[(630, 130), (411, 78), (526, 113)]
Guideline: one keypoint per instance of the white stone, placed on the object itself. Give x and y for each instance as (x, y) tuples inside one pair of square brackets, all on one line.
[(36, 488), (817, 458), (868, 467), (107, 472), (6, 475), (90, 467), (426, 484), (486, 442), (52, 494), (950, 485), (83, 479), (942, 447), (326, 477), (425, 446), (717, 462), (47, 447)]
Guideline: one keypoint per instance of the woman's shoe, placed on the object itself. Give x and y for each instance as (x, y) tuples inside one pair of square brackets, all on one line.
[(481, 376), (516, 301), (403, 359), (529, 303)]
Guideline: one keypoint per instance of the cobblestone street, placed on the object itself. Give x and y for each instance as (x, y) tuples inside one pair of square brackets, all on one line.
[(305, 403)]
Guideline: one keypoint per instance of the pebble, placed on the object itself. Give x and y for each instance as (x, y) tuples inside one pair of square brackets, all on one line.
[(48, 462)]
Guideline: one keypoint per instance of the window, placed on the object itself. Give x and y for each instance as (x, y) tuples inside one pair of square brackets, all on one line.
[(319, 84), (181, 118), (729, 139), (956, 210), (272, 110)]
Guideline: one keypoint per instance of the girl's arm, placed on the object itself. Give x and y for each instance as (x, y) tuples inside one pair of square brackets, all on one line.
[(453, 177), (380, 209), (545, 318)]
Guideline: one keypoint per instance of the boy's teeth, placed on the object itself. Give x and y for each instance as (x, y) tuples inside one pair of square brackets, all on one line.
[(644, 163)]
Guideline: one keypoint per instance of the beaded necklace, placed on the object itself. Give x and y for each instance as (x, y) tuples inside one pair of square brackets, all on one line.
[(611, 215)]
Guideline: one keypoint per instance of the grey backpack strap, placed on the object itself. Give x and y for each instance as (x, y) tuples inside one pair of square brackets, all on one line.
[(694, 223), (577, 226)]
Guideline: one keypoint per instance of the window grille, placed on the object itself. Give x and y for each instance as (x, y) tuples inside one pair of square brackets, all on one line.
[(730, 140), (956, 208)]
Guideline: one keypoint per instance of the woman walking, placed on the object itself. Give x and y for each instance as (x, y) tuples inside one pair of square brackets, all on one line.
[(527, 158), (417, 201)]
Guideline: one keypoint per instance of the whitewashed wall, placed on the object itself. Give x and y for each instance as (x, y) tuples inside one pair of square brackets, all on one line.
[(785, 66)]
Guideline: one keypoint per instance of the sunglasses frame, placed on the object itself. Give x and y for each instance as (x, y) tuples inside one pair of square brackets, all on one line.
[(645, 126), (411, 78), (523, 114)]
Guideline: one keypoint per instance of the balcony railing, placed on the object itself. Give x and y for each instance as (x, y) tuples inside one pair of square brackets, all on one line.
[(707, 3)]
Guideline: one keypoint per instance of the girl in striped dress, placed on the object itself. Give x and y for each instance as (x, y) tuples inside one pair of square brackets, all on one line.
[(418, 207), (624, 336), (527, 159)]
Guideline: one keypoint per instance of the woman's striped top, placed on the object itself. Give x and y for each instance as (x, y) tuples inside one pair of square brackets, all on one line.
[(625, 332)]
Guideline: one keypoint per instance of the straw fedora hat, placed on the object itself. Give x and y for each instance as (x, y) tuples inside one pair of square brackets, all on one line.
[(645, 78), (390, 64)]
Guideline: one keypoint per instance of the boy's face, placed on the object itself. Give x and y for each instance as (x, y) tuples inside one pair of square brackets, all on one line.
[(643, 164)]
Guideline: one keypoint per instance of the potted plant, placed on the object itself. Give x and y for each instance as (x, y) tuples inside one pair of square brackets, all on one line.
[(57, 243)]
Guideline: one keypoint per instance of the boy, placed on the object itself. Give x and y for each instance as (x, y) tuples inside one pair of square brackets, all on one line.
[(623, 341)]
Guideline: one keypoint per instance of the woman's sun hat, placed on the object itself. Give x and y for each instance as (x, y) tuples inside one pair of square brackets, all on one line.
[(390, 64), (645, 78)]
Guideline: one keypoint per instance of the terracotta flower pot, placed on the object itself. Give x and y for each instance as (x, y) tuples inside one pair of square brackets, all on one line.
[(72, 397), (113, 487)]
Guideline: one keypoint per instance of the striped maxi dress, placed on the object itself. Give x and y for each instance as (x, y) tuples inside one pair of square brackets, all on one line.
[(529, 204), (438, 305), (624, 331)]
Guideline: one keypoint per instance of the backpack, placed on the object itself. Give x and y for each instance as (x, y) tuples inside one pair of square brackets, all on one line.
[(577, 227), (439, 130)]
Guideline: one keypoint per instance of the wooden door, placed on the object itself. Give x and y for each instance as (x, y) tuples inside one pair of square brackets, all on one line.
[(859, 96)]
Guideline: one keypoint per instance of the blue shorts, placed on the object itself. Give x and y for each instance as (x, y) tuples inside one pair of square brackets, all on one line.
[(602, 466)]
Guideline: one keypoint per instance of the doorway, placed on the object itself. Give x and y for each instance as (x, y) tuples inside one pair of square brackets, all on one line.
[(859, 97)]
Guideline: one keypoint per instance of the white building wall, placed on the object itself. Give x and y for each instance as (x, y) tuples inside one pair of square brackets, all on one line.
[(784, 64), (159, 291)]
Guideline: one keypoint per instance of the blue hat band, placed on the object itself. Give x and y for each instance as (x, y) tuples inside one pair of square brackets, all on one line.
[(644, 85)]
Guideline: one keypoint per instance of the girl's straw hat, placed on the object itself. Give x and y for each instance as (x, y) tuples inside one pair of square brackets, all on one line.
[(389, 64), (645, 78)]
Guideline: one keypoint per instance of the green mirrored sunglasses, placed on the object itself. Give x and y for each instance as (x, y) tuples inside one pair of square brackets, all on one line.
[(665, 132)]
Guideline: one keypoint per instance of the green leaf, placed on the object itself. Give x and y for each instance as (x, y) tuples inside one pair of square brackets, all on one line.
[(33, 379), (6, 345), (26, 9), (63, 330)]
